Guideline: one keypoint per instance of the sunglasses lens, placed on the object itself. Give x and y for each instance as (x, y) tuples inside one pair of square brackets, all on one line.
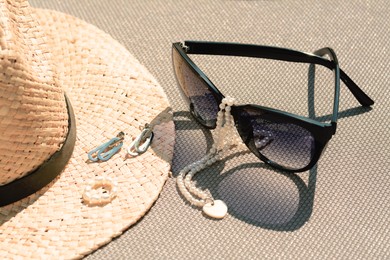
[(203, 104), (287, 145)]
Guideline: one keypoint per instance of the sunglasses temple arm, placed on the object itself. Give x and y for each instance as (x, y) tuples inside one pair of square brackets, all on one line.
[(269, 52), (358, 93), (332, 55)]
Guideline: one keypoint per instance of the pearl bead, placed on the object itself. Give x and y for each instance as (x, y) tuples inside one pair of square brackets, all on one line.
[(198, 204), (200, 193)]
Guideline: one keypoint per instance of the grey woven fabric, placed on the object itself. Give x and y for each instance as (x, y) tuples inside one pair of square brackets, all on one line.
[(338, 210)]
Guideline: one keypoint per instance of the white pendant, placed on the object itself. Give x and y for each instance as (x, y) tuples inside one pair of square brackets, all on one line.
[(217, 210)]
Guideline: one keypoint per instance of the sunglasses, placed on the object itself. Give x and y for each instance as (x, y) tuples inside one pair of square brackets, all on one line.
[(283, 140)]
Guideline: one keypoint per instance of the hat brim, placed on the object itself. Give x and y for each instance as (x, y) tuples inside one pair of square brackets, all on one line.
[(110, 91)]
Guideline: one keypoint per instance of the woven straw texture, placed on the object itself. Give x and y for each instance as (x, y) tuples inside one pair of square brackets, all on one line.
[(110, 91), (34, 118), (340, 209)]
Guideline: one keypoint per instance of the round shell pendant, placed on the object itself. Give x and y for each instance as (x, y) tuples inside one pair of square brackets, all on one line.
[(216, 209)]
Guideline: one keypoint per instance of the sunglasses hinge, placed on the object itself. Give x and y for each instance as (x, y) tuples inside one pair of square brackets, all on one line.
[(184, 46), (334, 126)]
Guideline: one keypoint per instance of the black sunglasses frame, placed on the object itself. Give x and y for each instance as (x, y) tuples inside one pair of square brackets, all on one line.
[(321, 131)]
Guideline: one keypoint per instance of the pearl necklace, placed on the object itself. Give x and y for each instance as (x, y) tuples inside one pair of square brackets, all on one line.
[(226, 136)]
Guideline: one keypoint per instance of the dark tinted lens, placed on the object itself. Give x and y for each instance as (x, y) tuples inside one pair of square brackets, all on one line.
[(203, 105), (285, 144)]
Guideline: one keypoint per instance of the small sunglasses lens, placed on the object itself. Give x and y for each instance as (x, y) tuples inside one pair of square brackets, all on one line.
[(203, 105), (285, 144)]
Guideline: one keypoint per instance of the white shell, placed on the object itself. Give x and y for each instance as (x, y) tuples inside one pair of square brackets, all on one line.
[(217, 210)]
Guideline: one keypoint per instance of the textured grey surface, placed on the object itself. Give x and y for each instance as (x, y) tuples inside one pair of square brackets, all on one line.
[(338, 210)]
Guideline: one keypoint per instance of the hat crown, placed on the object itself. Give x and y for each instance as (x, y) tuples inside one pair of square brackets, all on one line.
[(23, 49), (33, 112)]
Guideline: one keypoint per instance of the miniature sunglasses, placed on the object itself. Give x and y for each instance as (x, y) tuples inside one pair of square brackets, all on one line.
[(283, 140)]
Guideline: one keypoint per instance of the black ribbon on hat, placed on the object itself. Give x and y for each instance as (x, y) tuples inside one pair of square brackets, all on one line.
[(46, 172)]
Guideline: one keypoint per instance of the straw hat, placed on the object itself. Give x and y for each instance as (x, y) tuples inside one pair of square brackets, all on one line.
[(50, 63)]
